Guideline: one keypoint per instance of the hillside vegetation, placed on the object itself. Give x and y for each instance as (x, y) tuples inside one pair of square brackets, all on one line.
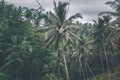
[(47, 45)]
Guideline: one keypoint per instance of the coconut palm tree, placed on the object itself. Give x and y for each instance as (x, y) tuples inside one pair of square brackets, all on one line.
[(82, 51), (113, 27), (104, 39), (58, 33), (59, 24)]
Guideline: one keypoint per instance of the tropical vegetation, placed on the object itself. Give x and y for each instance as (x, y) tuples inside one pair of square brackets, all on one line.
[(40, 45)]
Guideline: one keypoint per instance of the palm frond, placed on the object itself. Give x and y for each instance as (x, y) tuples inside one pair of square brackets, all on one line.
[(60, 10), (74, 35), (69, 39), (45, 29), (109, 2), (49, 41), (114, 4), (53, 18), (55, 6), (77, 15), (9, 63), (73, 27), (2, 75), (51, 37), (117, 8), (108, 13)]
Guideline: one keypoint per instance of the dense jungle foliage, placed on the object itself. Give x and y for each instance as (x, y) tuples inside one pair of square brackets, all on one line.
[(39, 45)]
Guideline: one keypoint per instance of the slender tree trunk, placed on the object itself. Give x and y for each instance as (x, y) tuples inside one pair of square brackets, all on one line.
[(90, 70), (81, 70), (113, 61), (66, 68), (106, 57), (115, 56), (101, 59), (65, 62), (86, 70)]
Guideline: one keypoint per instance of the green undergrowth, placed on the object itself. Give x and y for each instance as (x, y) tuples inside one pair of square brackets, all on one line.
[(113, 75)]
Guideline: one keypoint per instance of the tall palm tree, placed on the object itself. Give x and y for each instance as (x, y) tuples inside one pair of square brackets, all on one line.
[(104, 39), (83, 50), (58, 33), (113, 34), (59, 24)]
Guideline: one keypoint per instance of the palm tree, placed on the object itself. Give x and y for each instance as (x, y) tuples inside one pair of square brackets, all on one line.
[(113, 25), (115, 14), (83, 50), (59, 24), (58, 31), (115, 5), (33, 15), (104, 39), (99, 38)]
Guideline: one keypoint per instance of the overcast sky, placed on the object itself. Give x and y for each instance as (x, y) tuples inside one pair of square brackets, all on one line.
[(88, 8)]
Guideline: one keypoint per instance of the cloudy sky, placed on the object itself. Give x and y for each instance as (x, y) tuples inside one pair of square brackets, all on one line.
[(88, 8)]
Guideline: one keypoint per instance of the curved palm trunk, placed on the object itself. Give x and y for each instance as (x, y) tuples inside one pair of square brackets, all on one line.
[(89, 68), (66, 68), (65, 62)]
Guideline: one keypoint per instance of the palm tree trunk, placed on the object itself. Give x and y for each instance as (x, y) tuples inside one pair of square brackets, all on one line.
[(66, 68), (113, 61), (106, 57), (81, 70), (90, 70), (58, 65), (115, 56), (101, 59), (65, 62)]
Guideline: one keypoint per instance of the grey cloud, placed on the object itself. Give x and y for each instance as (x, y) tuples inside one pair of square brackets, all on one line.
[(88, 8)]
